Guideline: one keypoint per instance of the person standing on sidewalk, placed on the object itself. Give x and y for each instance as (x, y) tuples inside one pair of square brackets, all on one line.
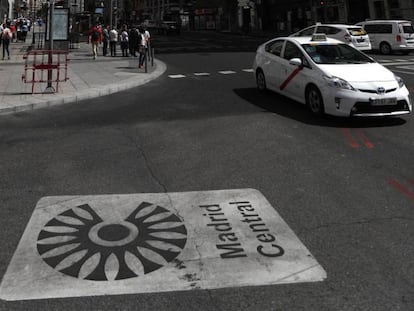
[(95, 37), (124, 41), (6, 37), (105, 34), (113, 39)]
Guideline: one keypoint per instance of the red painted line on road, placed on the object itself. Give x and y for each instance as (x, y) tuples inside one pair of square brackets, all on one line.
[(349, 138), (407, 192), (290, 77), (364, 139)]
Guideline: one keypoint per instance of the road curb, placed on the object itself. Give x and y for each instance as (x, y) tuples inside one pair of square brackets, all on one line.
[(61, 99)]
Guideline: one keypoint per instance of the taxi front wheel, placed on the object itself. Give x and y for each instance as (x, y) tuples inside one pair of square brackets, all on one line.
[(314, 100), (260, 80)]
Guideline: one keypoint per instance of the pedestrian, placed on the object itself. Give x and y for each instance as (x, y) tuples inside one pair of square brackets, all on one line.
[(147, 36), (12, 28), (142, 47), (124, 42), (133, 41), (113, 39), (24, 30), (1, 32), (105, 36), (6, 37), (95, 38)]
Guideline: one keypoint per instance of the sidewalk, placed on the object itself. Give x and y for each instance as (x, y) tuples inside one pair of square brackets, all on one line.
[(88, 78)]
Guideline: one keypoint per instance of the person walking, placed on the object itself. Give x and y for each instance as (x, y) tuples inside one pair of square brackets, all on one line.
[(147, 36), (95, 38), (133, 41), (12, 28), (6, 37), (24, 30), (113, 39), (124, 42), (105, 37), (142, 47), (2, 26)]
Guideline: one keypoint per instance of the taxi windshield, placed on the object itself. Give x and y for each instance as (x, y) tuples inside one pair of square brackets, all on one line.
[(335, 54)]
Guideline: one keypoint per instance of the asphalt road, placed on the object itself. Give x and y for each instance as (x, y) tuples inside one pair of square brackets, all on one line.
[(345, 187)]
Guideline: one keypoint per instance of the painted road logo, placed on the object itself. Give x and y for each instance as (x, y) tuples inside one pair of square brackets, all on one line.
[(139, 243), (80, 244)]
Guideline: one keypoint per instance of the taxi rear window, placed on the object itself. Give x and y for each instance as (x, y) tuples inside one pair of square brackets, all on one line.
[(357, 31)]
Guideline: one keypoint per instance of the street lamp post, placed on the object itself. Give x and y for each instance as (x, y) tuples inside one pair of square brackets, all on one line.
[(111, 3), (49, 88)]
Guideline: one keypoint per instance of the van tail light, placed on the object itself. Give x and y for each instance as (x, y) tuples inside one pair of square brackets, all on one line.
[(398, 38)]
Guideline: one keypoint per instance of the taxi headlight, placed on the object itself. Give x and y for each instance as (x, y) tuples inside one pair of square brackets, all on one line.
[(339, 83), (400, 81)]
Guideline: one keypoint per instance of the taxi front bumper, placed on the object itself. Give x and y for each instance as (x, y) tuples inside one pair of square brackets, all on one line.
[(357, 103)]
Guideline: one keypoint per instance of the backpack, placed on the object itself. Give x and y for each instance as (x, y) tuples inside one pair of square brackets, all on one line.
[(95, 35)]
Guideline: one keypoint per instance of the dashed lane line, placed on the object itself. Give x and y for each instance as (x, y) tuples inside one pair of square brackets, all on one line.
[(227, 72), (201, 74), (206, 74), (177, 76)]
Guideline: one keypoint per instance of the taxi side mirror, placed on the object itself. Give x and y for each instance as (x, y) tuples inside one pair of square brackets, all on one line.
[(296, 62)]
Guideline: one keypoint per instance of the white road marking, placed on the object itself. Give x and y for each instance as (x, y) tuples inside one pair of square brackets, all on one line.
[(227, 72), (406, 67), (397, 63), (201, 74), (406, 72), (248, 70), (177, 76), (189, 240)]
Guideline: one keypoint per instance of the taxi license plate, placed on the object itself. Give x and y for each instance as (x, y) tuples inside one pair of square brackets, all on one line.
[(384, 101)]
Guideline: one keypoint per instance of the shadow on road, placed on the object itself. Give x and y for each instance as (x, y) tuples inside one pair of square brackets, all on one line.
[(283, 106)]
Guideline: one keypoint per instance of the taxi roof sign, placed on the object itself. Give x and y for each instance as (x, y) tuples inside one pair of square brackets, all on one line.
[(319, 37)]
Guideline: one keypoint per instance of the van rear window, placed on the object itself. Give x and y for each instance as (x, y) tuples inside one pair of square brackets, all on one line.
[(378, 28), (407, 28)]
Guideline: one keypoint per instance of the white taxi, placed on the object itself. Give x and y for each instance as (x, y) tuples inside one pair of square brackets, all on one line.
[(329, 77)]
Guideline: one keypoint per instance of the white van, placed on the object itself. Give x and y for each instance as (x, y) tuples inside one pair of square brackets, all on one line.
[(388, 36), (350, 34)]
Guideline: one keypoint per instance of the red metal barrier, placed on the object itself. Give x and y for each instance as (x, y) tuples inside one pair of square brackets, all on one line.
[(45, 66)]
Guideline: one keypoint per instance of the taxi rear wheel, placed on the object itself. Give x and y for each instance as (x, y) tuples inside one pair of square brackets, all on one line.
[(314, 100), (260, 80)]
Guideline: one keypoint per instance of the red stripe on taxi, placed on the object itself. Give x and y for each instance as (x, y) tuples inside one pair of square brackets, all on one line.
[(290, 77)]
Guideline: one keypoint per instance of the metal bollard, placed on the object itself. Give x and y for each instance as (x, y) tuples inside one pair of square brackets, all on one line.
[(152, 57), (146, 62)]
